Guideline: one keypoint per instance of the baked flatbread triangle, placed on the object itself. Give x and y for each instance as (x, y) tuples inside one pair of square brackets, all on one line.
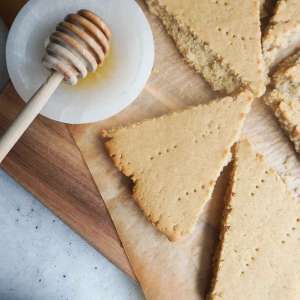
[(284, 97), (220, 39), (175, 160), (258, 255), (282, 34)]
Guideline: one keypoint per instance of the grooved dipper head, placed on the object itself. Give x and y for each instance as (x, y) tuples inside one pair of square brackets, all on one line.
[(78, 46)]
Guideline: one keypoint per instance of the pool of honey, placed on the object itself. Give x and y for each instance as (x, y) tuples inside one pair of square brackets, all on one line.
[(103, 72)]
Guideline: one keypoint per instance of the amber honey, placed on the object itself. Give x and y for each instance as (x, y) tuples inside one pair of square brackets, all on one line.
[(95, 78)]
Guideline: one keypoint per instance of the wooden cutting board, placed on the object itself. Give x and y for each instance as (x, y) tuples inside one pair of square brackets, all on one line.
[(49, 165)]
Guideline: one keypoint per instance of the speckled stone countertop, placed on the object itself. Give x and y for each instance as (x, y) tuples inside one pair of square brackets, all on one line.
[(42, 258)]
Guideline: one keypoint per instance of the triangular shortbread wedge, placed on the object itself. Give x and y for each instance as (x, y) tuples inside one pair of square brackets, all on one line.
[(283, 34), (258, 255), (220, 39), (175, 160), (284, 98)]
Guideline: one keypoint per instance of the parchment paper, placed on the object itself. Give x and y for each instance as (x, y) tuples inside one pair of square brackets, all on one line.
[(180, 270)]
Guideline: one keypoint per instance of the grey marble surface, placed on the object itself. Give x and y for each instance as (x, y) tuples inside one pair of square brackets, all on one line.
[(42, 258)]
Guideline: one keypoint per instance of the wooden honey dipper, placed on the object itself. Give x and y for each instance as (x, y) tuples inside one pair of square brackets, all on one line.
[(77, 47)]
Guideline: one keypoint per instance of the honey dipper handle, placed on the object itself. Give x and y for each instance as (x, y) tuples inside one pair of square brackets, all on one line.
[(29, 113)]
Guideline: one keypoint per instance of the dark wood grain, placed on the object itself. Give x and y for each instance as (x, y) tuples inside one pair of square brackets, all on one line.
[(49, 165), (9, 9)]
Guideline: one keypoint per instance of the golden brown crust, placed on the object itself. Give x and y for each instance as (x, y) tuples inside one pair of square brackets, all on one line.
[(213, 50), (260, 224), (282, 34), (284, 97), (166, 159)]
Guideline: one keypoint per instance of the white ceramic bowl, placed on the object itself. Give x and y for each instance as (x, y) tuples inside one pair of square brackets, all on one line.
[(112, 89)]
